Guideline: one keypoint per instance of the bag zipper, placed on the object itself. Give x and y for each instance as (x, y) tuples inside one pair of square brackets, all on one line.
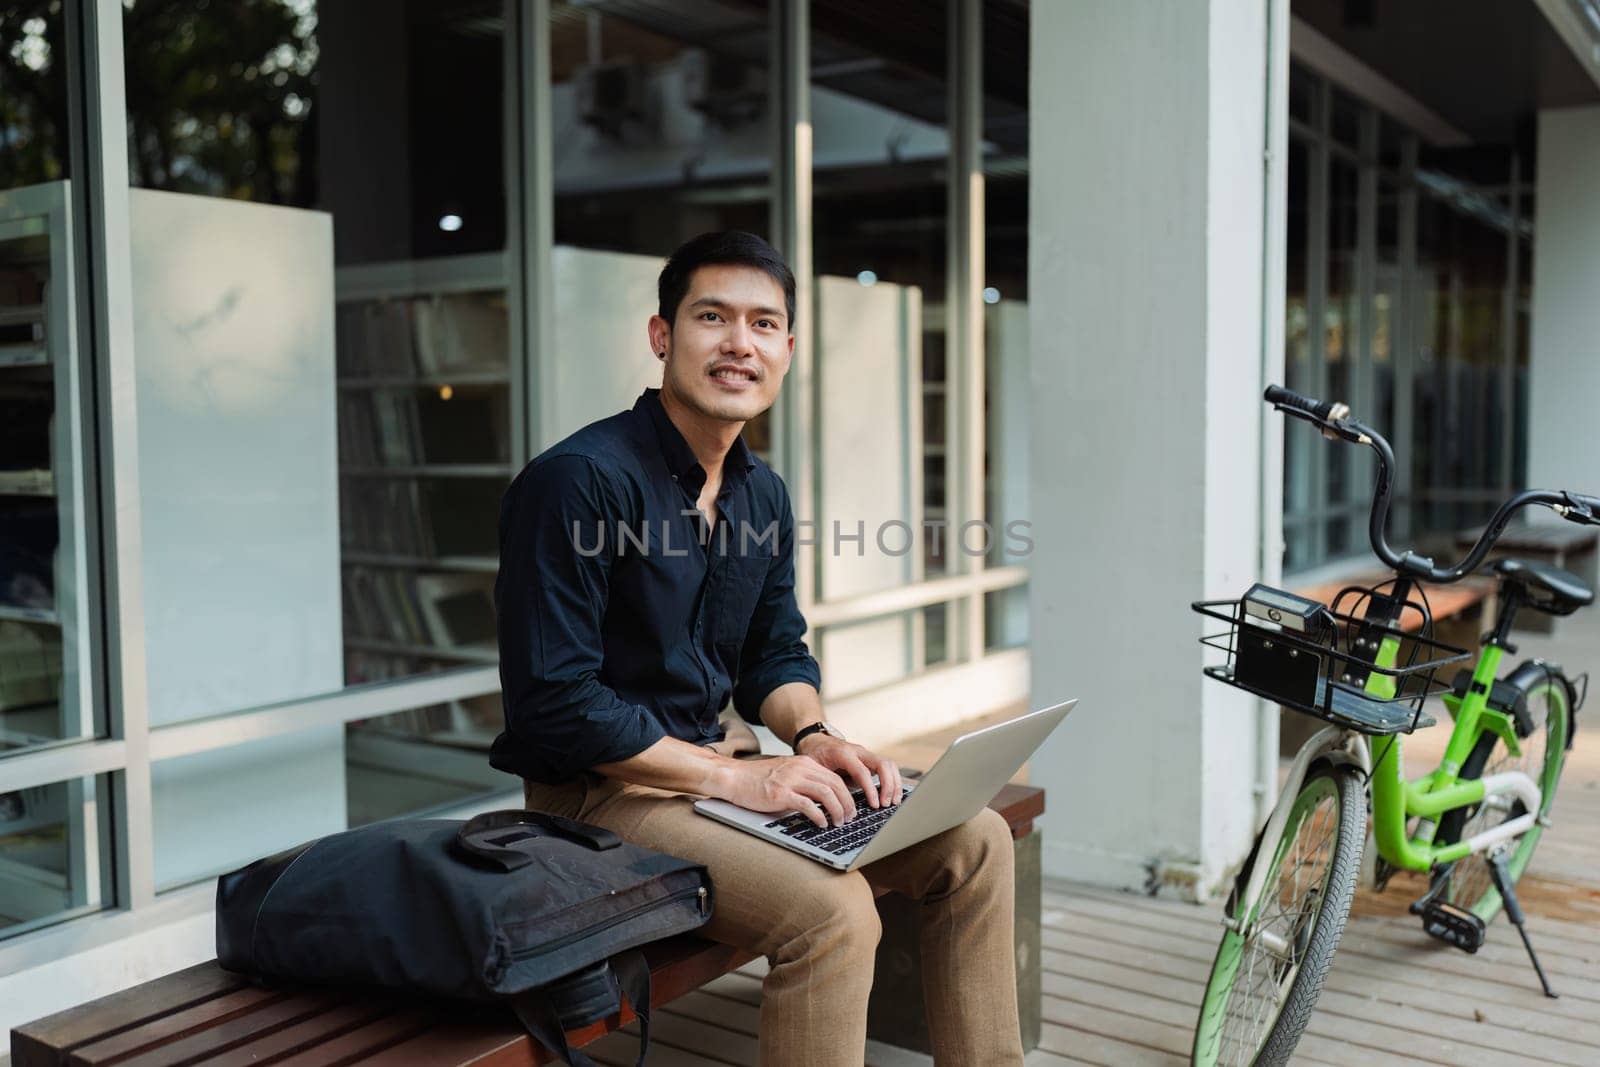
[(615, 920)]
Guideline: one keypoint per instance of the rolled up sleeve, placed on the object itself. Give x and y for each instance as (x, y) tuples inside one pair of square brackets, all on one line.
[(550, 599), (774, 651)]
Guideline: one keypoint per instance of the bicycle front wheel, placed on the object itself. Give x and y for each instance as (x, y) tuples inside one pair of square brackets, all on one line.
[(1264, 986)]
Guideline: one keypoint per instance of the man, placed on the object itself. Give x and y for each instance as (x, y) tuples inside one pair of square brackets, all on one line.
[(647, 575)]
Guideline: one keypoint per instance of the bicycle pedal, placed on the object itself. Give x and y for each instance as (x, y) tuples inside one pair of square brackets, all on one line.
[(1450, 924)]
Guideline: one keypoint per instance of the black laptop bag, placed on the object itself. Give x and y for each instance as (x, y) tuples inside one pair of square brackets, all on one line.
[(544, 912)]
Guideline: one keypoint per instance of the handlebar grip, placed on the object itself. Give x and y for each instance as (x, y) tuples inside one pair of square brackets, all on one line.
[(1287, 398), (1591, 504)]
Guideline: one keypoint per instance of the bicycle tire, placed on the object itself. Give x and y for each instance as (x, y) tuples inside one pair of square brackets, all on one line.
[(1548, 701), (1230, 1029)]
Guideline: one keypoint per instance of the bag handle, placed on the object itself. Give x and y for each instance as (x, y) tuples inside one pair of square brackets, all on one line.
[(478, 839), (543, 1023), (539, 1017)]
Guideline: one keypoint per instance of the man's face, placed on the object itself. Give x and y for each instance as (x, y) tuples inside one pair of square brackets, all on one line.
[(728, 350)]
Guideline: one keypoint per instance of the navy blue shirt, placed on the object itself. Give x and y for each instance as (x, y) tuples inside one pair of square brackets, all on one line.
[(618, 626)]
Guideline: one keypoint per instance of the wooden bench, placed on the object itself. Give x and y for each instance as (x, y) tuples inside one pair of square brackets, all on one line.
[(205, 1014), (1464, 599)]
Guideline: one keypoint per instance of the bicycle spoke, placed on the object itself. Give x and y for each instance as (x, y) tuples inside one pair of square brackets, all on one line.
[(1288, 908)]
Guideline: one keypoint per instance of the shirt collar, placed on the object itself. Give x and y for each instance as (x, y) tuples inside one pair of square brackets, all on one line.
[(680, 458)]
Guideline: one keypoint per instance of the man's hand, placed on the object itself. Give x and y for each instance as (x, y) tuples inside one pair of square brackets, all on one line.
[(790, 782), (857, 763)]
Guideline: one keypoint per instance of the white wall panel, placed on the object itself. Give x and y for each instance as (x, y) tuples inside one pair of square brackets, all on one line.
[(868, 338), (234, 351)]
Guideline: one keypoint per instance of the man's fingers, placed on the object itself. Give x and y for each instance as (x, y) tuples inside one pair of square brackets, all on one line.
[(858, 770), (810, 809), (824, 790), (889, 781), (888, 789), (847, 803)]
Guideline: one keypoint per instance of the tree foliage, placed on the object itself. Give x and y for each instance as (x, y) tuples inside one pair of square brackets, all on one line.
[(220, 96)]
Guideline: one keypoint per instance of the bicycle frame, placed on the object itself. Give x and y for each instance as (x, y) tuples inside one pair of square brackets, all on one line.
[(1394, 800)]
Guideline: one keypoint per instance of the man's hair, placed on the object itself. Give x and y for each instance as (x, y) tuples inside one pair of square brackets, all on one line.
[(725, 248)]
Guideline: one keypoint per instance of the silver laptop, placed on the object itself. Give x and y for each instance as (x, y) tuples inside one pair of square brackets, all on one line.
[(971, 771)]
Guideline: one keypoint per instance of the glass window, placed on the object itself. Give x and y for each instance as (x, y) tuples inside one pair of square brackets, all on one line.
[(31, 637), (1342, 322), (321, 479), (1435, 326), (1386, 300), (662, 131), (55, 859), (1462, 263), (1391, 143), (1005, 304), (420, 759), (879, 107), (1344, 119), (217, 810), (208, 807), (390, 118), (45, 691), (1303, 86), (33, 94)]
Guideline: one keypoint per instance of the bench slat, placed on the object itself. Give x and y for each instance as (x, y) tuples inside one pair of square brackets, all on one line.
[(364, 1041), (44, 1042), (479, 1044), (226, 1035), (179, 1024), (311, 1033)]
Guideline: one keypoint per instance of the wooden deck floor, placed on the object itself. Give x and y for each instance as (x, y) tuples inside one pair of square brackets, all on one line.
[(1123, 973), (1123, 976)]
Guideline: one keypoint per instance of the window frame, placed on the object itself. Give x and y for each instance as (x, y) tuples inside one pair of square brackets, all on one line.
[(106, 318)]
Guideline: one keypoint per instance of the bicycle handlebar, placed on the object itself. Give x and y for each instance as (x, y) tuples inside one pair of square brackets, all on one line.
[(1321, 410), (1334, 421)]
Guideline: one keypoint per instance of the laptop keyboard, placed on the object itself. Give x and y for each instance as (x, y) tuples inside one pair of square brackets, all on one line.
[(848, 835)]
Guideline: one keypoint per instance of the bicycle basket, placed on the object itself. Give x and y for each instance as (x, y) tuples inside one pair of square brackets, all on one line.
[(1326, 668)]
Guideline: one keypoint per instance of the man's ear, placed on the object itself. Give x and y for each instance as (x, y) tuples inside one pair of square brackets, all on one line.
[(660, 332)]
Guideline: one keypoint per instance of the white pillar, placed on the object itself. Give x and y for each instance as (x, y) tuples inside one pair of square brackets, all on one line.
[(1564, 365), (1148, 267)]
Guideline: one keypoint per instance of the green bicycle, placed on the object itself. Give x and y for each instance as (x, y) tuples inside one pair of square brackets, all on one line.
[(1365, 666)]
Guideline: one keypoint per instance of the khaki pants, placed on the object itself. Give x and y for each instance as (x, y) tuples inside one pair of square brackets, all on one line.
[(819, 927)]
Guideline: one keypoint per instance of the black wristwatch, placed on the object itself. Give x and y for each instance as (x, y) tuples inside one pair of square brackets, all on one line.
[(818, 727)]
